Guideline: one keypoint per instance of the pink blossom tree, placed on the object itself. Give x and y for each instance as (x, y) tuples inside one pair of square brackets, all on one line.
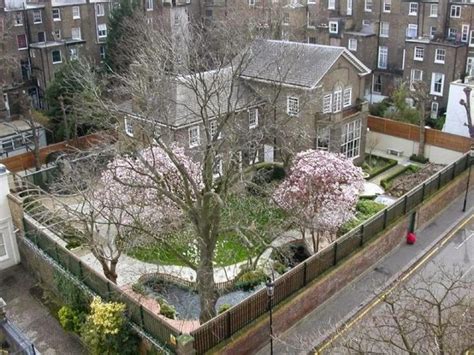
[(320, 192)]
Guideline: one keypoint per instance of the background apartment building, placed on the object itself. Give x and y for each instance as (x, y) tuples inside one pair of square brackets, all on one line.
[(37, 37)]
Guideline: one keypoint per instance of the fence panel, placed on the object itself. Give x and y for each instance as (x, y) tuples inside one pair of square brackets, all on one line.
[(289, 283), (319, 263), (247, 311), (373, 226), (414, 198), (348, 244), (395, 211), (460, 166), (431, 186), (94, 282), (155, 326), (447, 175)]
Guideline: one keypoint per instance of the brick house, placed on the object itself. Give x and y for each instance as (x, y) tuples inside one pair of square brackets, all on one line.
[(312, 93)]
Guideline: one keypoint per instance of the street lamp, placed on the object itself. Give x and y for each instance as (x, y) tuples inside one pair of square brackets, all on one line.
[(470, 156), (270, 291)]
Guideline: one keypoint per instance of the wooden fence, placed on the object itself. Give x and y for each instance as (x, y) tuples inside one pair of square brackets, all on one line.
[(412, 132), (26, 160)]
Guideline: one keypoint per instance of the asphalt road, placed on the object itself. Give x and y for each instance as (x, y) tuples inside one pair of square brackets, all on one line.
[(312, 330)]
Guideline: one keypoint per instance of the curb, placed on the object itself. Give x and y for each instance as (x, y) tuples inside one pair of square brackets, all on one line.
[(393, 279)]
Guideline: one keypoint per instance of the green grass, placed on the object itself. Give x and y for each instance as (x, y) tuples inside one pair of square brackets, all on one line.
[(377, 165), (364, 210), (259, 217)]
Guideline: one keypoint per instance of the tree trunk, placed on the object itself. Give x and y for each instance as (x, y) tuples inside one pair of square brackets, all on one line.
[(421, 146), (109, 270), (315, 238), (206, 286), (65, 122)]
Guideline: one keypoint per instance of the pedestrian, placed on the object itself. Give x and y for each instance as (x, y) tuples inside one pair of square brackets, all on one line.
[(411, 238)]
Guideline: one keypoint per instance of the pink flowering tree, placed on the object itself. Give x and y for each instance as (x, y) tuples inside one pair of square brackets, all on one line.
[(320, 192)]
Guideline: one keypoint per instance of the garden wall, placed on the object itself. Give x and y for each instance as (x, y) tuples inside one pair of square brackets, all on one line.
[(255, 336)]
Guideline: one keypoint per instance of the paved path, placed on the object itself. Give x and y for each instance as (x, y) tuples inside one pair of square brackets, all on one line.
[(317, 325), (32, 318)]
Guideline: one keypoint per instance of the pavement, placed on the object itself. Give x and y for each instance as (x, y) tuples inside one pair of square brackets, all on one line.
[(339, 309), (17, 288)]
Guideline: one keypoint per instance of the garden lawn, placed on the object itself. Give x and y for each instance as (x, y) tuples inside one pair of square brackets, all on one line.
[(260, 217)]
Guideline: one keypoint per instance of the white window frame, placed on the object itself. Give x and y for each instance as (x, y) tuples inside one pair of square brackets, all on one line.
[(56, 14), (387, 6), (434, 110), (128, 127), (18, 43), (149, 5), (375, 82), (102, 27), (382, 60), (415, 75), (434, 83), (292, 106), (194, 136), (384, 30), (60, 56), (102, 52), (213, 126), (470, 66), (331, 4), (253, 117), (251, 2), (337, 100), (368, 5), (347, 97), (471, 38), (349, 8), (351, 137), (440, 55), (434, 10), (413, 9), (73, 53), (327, 103), (352, 44), (3, 244), (455, 11), (76, 12), (323, 134), (217, 166), (464, 33), (100, 10), (37, 17), (76, 33), (18, 20), (418, 54), (433, 30), (253, 154), (333, 27), (412, 27)]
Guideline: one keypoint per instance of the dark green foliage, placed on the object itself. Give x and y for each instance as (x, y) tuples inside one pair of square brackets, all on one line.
[(249, 279), (224, 307), (118, 55), (419, 159), (379, 108), (71, 320), (71, 294), (264, 175), (139, 288), (279, 267), (364, 210), (375, 165), (166, 309)]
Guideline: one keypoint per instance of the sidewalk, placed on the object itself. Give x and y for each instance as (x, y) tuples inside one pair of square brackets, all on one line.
[(319, 324)]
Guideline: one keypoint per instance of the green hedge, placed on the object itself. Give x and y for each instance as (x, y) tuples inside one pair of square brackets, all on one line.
[(390, 163), (387, 182), (419, 159)]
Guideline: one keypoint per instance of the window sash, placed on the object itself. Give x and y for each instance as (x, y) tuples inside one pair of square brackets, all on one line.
[(347, 97)]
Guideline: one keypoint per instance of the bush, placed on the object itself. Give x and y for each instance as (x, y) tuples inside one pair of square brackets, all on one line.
[(265, 174), (71, 294), (368, 207), (249, 279), (419, 159), (379, 108), (376, 171), (70, 319), (139, 288), (279, 267), (224, 307), (166, 309)]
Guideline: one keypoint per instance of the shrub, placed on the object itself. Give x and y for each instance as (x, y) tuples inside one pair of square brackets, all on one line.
[(249, 279), (368, 207), (70, 293), (265, 174), (138, 287), (166, 309), (419, 159), (224, 307), (387, 182), (279, 267), (106, 329), (70, 319)]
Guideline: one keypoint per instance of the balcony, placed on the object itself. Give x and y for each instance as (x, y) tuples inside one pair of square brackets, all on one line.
[(347, 112)]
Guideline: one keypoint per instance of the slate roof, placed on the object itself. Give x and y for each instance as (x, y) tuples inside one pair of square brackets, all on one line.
[(291, 63)]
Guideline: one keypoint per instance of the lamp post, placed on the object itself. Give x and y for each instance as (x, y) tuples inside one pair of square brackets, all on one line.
[(270, 290), (471, 155)]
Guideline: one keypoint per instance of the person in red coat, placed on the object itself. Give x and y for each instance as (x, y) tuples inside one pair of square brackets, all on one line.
[(411, 238)]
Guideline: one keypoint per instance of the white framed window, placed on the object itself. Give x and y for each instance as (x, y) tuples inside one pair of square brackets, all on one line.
[(432, 32), (253, 117), (331, 4), (311, 2), (102, 52), (352, 44), (102, 30), (377, 86), (351, 139), (149, 5), (434, 110), (217, 166), (471, 39), (384, 29), (309, 23), (337, 100), (128, 126), (251, 2), (418, 53), (440, 55), (37, 17), (76, 12), (73, 53), (3, 247), (434, 10), (369, 4), (292, 106), (99, 10), (470, 66), (415, 75), (413, 9), (18, 20), (56, 56), (21, 41), (464, 33), (452, 32), (213, 126), (41, 37), (323, 137), (382, 62), (57, 34), (412, 30), (455, 11), (333, 27), (194, 136), (349, 7), (76, 33), (437, 83), (56, 14), (347, 97), (327, 103), (387, 5), (253, 153)]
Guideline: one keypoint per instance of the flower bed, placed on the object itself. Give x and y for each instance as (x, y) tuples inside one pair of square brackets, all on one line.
[(374, 165)]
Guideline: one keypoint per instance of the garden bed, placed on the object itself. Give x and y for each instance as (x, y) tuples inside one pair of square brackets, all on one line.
[(374, 165), (403, 181)]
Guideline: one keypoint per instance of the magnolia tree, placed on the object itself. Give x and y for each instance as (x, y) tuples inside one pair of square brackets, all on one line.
[(320, 192)]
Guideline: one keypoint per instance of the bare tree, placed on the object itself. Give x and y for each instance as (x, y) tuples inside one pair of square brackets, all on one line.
[(420, 94), (467, 106), (431, 314)]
